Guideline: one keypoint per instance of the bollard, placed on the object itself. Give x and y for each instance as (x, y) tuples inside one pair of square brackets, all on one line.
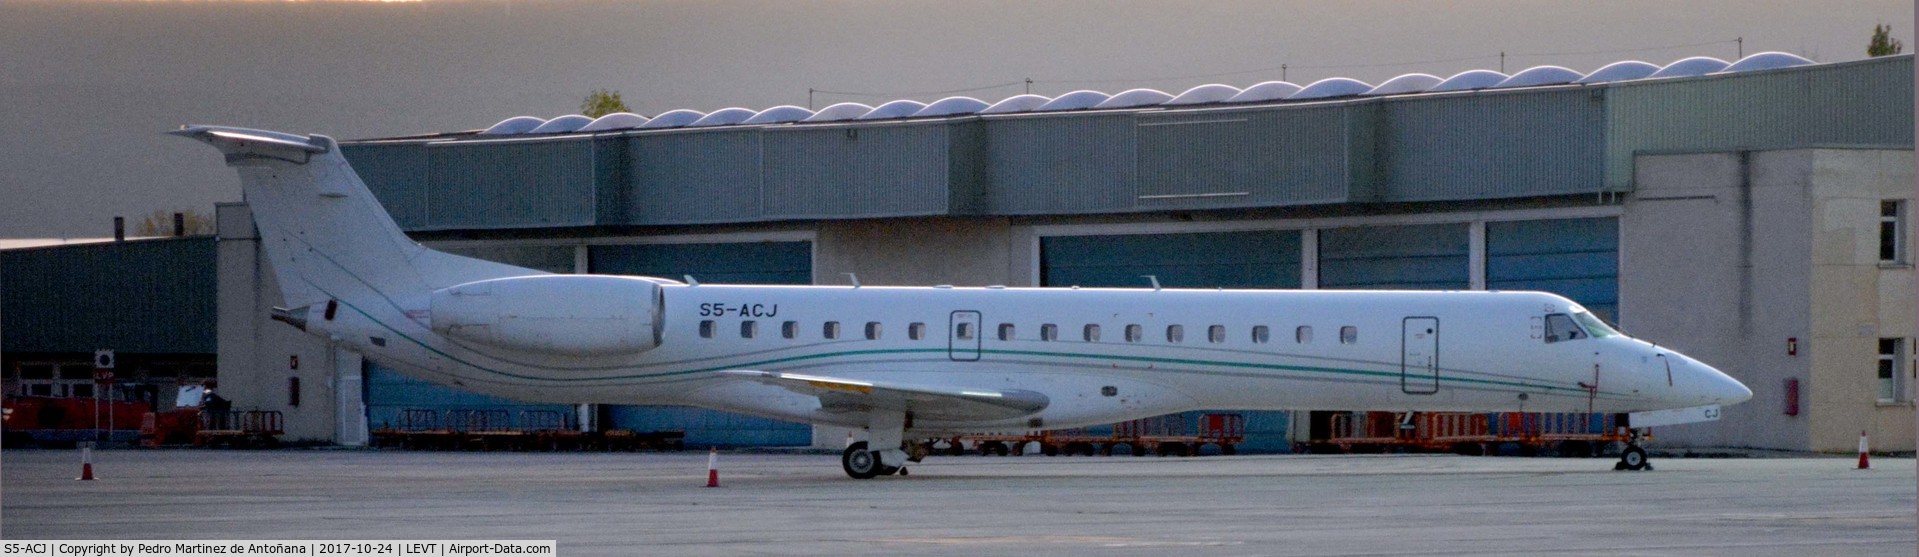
[(713, 467)]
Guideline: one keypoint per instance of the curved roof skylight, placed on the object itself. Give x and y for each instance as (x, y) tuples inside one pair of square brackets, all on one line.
[(563, 124), (1016, 103), (1202, 94), (1541, 75), (615, 121), (1332, 87), (1620, 71), (1468, 80), (674, 119), (1074, 101), (724, 117), (1767, 61), (1697, 65), (779, 114), (953, 105), (841, 111), (1265, 91), (1135, 97), (1409, 83), (514, 125), (896, 109)]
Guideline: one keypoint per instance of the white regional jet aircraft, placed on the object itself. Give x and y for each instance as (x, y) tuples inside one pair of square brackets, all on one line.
[(906, 364)]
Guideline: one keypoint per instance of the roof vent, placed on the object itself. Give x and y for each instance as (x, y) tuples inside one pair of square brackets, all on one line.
[(780, 114), (1469, 80), (1266, 91), (1409, 83), (1331, 87), (1697, 65), (1135, 98), (1620, 71), (615, 121), (514, 125), (1017, 103), (951, 106), (674, 119), (724, 117), (1203, 94)]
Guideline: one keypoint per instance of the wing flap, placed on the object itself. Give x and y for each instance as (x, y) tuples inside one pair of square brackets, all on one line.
[(930, 402)]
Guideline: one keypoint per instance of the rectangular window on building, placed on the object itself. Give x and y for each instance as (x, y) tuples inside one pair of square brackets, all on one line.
[(831, 330), (293, 391), (790, 329), (1892, 231), (916, 331), (1048, 332), (36, 371), (1261, 334), (1892, 370), (706, 329), (1091, 333)]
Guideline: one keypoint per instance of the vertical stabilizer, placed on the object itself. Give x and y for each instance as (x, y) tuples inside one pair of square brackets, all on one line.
[(325, 234)]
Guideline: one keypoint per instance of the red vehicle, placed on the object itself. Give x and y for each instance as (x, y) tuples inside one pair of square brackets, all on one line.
[(61, 422)]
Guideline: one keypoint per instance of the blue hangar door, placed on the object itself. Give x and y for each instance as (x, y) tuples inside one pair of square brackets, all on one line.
[(727, 263), (1258, 259)]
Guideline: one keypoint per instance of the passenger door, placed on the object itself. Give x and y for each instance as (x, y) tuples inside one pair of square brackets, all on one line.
[(1419, 355)]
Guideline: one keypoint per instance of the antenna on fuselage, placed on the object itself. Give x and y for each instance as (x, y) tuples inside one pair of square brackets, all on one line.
[(855, 278), (1153, 279), (690, 281)]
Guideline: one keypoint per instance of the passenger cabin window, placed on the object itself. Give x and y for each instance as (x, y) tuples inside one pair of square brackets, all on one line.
[(1133, 333), (964, 331), (1348, 334), (1304, 334), (1261, 334), (916, 331), (1175, 334), (1216, 334), (706, 328), (1091, 333), (1049, 332), (1006, 331), (749, 329), (790, 329), (831, 330), (872, 330), (1560, 327)]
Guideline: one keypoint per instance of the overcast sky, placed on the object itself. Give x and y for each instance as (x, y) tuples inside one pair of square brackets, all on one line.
[(88, 87)]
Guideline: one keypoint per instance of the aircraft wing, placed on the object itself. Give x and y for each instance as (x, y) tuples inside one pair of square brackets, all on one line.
[(939, 403)]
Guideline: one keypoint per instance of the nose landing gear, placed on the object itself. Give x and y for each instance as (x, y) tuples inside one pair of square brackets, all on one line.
[(1634, 457)]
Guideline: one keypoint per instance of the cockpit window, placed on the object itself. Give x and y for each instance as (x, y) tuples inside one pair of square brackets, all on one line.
[(1594, 325), (1560, 327)]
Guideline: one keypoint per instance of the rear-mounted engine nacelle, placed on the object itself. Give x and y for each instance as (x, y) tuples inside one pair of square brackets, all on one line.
[(590, 315)]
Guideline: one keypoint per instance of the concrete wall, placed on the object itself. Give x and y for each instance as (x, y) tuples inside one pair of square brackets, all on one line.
[(918, 252), (1728, 256), (256, 353), (1856, 300)]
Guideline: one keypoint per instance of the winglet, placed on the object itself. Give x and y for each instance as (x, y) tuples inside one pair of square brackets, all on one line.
[(242, 144)]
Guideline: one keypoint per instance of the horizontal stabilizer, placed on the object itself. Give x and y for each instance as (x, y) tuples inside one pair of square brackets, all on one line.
[(240, 144), (922, 401)]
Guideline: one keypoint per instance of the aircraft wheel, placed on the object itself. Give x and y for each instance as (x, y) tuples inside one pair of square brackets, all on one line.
[(1633, 458), (860, 463)]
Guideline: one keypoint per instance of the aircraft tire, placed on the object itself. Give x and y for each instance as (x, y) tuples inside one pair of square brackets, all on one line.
[(1633, 458), (860, 463)]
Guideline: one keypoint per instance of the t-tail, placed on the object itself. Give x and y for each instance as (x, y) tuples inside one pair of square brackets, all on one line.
[(327, 237)]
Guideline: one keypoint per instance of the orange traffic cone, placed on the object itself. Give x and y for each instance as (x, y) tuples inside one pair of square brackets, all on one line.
[(1862, 452), (713, 468), (86, 464)]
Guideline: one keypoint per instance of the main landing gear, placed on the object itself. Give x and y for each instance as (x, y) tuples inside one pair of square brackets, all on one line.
[(863, 464), (1634, 457)]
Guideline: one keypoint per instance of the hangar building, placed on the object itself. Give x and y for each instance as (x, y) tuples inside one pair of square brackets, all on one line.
[(1754, 214)]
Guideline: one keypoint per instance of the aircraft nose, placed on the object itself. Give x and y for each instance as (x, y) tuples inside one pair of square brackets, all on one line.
[(1720, 388)]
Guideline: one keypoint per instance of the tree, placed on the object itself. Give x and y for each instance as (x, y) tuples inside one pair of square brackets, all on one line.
[(160, 223), (602, 102), (1882, 42)]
